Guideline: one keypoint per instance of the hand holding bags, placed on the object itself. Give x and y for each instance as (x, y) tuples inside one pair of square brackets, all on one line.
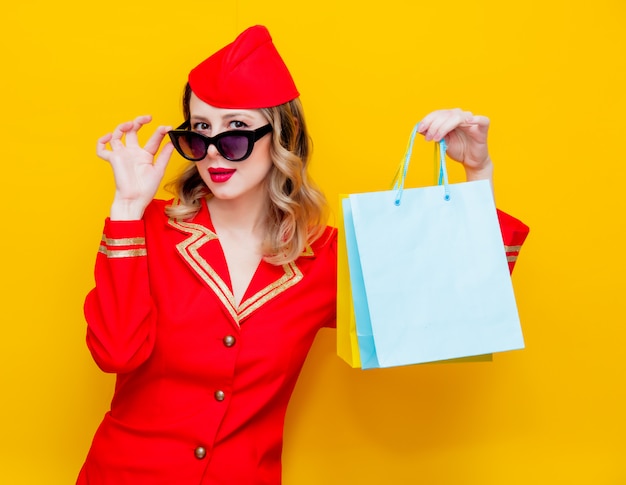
[(428, 275)]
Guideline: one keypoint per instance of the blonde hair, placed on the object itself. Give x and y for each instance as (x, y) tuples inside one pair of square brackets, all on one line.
[(297, 208)]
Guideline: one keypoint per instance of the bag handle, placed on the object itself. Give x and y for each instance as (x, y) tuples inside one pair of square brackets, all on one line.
[(400, 178)]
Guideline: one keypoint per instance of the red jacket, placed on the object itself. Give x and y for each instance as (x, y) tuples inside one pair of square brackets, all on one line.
[(202, 386)]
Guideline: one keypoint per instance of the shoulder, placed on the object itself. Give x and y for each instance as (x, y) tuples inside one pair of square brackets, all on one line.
[(513, 230), (326, 241), (324, 247)]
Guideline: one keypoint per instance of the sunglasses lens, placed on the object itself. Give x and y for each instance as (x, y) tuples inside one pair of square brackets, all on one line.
[(192, 145), (234, 147)]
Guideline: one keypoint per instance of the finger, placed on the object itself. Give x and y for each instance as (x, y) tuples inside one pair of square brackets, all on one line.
[(118, 133), (475, 128), (164, 157), (458, 120), (482, 122), (441, 126), (439, 114), (430, 126), (137, 123), (101, 150), (153, 144), (424, 124)]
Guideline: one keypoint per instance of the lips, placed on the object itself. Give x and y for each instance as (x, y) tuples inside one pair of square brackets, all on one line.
[(221, 175)]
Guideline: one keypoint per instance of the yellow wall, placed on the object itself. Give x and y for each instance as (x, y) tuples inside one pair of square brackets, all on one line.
[(551, 76)]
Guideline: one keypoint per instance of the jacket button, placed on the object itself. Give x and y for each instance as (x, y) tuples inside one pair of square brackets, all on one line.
[(219, 395), (200, 452), (229, 341)]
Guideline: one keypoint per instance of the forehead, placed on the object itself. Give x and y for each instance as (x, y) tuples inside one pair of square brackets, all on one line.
[(200, 109)]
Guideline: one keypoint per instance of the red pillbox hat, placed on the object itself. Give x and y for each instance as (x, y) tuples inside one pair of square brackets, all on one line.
[(246, 74)]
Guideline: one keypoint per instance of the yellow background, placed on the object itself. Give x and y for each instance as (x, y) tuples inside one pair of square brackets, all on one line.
[(550, 75)]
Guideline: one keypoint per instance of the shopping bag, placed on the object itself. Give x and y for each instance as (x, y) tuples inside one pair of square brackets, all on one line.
[(428, 273), (347, 339)]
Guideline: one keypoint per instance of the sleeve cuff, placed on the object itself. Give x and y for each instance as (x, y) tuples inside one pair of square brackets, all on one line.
[(514, 234), (123, 239)]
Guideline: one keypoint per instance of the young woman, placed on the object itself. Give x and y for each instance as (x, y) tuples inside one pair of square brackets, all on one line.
[(206, 306)]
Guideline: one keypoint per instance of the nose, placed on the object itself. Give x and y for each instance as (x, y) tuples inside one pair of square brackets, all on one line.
[(212, 151)]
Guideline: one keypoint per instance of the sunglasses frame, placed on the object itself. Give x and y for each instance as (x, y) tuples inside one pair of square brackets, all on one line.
[(252, 135)]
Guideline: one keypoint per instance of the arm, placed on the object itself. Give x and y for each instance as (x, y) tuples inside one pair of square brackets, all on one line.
[(119, 310), (120, 314)]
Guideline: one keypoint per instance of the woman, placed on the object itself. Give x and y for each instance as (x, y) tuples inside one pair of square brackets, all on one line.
[(205, 307)]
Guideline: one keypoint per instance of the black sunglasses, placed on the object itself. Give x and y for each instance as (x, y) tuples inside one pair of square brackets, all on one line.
[(234, 145)]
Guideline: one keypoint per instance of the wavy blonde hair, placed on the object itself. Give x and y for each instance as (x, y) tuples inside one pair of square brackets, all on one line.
[(297, 210)]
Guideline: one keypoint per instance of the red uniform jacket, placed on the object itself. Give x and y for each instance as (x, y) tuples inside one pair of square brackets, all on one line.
[(202, 386)]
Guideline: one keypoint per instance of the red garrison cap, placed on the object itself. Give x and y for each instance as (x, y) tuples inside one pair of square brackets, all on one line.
[(247, 74)]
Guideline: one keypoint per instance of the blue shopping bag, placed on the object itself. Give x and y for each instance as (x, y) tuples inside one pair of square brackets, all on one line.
[(428, 273)]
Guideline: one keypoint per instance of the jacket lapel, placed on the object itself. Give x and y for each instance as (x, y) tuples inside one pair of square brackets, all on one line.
[(201, 251)]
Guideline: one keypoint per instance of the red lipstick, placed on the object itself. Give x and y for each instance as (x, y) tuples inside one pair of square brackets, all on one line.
[(221, 175)]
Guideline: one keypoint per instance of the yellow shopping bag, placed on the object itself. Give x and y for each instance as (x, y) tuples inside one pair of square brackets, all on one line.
[(347, 344)]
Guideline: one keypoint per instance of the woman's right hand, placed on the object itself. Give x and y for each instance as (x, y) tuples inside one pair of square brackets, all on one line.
[(138, 171)]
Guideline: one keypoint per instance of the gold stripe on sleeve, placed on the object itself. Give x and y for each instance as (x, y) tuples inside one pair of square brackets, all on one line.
[(124, 241), (122, 253)]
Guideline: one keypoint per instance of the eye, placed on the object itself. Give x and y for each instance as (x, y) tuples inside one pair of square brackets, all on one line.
[(200, 126), (238, 125)]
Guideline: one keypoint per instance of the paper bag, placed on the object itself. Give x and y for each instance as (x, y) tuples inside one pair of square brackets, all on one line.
[(428, 275)]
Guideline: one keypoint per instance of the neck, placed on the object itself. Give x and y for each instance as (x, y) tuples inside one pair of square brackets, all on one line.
[(242, 216)]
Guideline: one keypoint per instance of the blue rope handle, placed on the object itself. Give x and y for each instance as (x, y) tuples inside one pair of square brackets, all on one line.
[(443, 170), (404, 167)]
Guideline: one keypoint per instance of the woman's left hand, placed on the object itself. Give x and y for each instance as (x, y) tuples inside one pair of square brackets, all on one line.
[(466, 137)]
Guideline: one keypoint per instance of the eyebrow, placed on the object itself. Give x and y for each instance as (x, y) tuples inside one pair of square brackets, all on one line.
[(238, 114), (229, 116)]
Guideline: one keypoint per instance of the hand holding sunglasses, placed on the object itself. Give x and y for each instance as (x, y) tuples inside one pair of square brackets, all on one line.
[(233, 145), (138, 170)]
